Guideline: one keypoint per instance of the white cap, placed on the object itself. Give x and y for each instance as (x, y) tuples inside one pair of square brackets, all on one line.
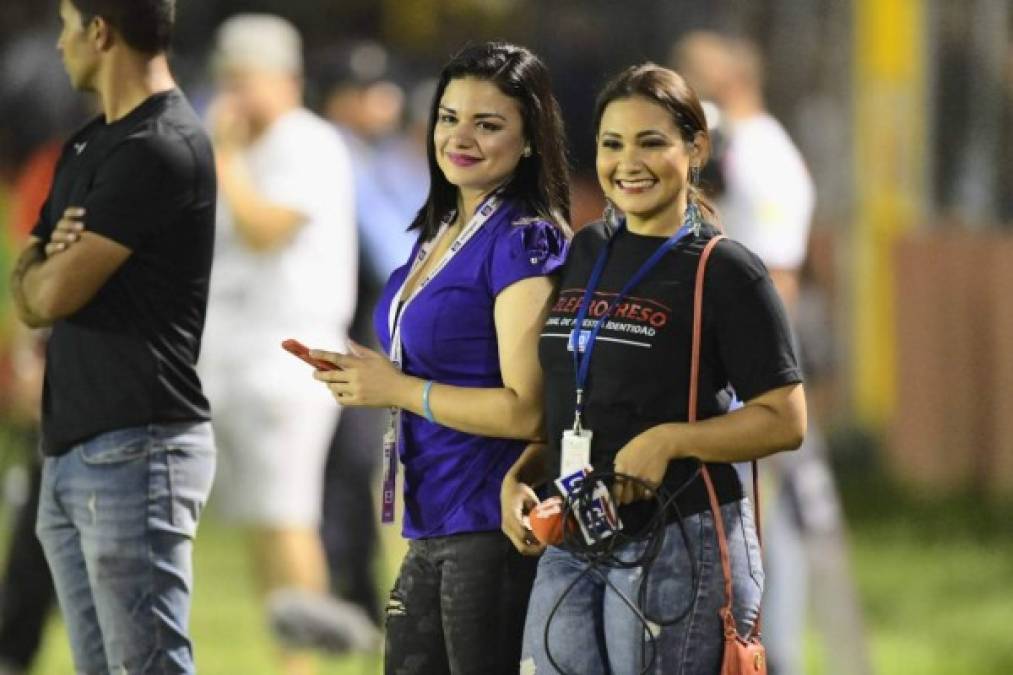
[(262, 41), (712, 113)]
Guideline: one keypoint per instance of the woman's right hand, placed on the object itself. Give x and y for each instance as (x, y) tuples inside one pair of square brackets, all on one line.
[(516, 501)]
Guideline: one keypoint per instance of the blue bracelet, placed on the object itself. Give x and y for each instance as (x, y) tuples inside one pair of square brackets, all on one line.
[(427, 411)]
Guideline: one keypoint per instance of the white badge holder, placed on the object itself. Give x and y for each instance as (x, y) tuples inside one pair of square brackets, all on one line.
[(575, 451)]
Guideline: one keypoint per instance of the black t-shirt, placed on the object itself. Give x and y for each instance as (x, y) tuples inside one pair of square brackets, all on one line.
[(128, 357), (639, 374)]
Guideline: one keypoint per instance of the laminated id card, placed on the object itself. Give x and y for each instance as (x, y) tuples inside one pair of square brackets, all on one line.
[(389, 475), (578, 339), (575, 451)]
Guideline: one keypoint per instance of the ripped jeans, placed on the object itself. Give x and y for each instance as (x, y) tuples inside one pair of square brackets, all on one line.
[(117, 518), (458, 607), (593, 631)]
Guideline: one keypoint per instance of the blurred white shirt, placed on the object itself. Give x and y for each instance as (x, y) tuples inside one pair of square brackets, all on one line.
[(305, 289), (769, 196)]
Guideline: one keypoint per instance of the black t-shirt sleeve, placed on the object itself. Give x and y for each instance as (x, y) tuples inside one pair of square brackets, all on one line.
[(46, 222), (750, 325), (43, 228), (136, 188)]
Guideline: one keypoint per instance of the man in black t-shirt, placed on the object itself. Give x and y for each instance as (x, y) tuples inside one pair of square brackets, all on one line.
[(118, 266)]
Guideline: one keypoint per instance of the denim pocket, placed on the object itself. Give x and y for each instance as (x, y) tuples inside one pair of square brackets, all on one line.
[(116, 447), (188, 475)]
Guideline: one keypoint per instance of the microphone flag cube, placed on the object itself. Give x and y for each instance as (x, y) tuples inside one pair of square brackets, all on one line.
[(597, 515)]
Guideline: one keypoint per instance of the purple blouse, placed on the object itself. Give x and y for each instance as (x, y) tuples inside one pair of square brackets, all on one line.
[(451, 478)]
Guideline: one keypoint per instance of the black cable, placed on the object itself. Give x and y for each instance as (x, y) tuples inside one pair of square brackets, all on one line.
[(603, 555)]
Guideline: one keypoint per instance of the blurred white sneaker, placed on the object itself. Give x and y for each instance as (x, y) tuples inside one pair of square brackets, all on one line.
[(306, 620)]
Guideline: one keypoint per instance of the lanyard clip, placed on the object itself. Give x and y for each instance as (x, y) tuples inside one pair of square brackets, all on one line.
[(577, 427)]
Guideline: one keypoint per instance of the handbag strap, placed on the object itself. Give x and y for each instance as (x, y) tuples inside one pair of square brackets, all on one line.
[(719, 524)]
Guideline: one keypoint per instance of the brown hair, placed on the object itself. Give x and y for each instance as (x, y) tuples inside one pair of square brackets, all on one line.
[(669, 90)]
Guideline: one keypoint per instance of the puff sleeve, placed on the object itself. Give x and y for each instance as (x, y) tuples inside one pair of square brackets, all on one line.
[(529, 249)]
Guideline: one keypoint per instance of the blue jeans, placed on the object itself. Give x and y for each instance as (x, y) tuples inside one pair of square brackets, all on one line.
[(117, 518), (594, 632)]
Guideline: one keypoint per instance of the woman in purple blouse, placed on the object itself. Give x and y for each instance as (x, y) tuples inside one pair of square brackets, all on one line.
[(460, 325)]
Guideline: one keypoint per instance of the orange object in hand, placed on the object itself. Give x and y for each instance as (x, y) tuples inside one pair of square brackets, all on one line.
[(547, 521)]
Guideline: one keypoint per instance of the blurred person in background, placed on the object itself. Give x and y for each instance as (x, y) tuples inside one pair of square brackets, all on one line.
[(285, 266), (766, 202), (118, 266), (35, 102), (358, 95), (38, 110), (460, 322), (401, 160), (27, 593)]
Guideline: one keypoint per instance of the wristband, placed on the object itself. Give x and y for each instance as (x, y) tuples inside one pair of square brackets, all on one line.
[(426, 410)]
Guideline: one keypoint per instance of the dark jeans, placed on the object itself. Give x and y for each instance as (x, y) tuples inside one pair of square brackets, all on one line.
[(28, 593), (458, 607)]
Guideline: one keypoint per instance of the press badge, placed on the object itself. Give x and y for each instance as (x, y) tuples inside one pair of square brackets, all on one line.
[(389, 482), (576, 451), (580, 338), (597, 517)]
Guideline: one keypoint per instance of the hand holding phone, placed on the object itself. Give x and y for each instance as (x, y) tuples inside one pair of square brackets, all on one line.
[(300, 350)]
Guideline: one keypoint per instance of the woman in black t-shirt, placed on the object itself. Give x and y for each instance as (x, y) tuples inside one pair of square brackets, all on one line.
[(629, 283)]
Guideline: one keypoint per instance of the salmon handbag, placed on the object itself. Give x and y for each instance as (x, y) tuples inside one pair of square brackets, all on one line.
[(742, 655)]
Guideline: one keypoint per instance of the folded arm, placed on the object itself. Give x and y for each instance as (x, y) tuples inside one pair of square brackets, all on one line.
[(48, 288)]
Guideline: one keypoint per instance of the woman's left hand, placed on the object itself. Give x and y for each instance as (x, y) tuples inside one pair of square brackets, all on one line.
[(645, 457), (363, 377)]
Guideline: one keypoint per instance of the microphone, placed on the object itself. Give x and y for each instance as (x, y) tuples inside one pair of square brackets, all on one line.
[(590, 505), (547, 521), (590, 509)]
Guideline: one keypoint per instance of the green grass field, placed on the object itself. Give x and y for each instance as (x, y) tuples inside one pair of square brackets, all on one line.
[(936, 580)]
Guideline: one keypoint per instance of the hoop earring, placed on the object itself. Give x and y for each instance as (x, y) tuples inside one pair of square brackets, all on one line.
[(694, 175)]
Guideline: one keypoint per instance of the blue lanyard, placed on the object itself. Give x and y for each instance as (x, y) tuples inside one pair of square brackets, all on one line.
[(582, 352)]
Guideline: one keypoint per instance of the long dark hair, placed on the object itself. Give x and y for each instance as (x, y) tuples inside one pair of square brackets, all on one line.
[(541, 181), (669, 90)]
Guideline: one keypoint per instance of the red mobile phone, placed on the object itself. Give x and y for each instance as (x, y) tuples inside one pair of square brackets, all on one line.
[(297, 348)]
